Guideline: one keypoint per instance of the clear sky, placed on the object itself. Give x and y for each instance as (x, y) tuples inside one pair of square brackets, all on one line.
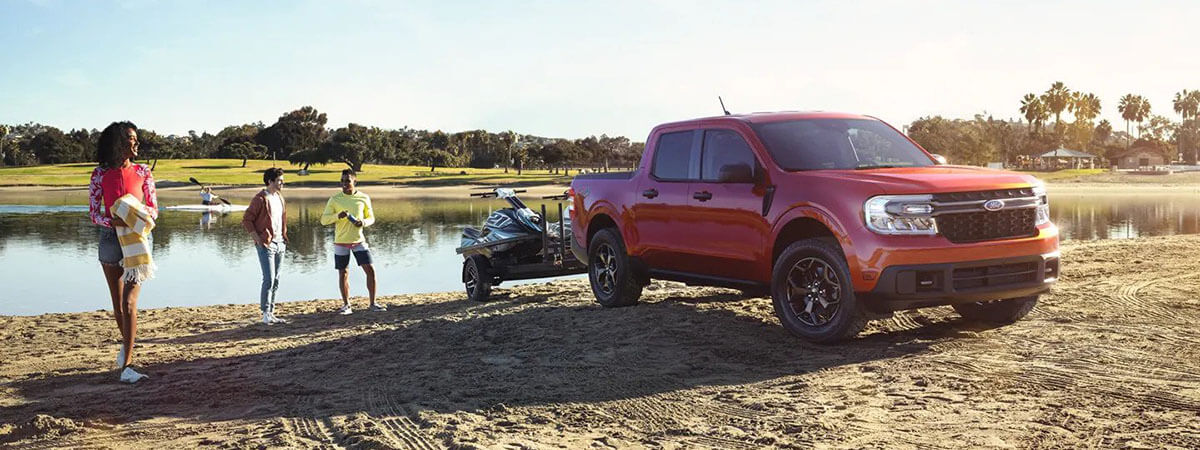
[(574, 68)]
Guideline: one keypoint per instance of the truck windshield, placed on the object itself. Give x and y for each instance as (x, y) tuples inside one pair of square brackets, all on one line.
[(814, 144)]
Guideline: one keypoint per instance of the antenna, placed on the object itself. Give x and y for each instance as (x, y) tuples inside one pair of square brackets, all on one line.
[(722, 105)]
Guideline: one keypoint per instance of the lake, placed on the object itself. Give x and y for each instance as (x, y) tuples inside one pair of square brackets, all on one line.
[(49, 251)]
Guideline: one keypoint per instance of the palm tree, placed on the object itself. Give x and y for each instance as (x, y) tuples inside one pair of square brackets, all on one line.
[(1187, 104), (1056, 99), (1033, 109), (1085, 106), (1128, 106), (1142, 113)]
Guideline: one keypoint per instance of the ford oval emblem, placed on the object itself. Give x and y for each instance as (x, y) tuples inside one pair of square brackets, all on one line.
[(993, 205)]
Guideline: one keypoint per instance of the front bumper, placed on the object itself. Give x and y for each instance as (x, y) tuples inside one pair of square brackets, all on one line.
[(922, 285)]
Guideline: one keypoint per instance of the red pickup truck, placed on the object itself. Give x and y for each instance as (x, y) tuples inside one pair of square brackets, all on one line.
[(839, 217)]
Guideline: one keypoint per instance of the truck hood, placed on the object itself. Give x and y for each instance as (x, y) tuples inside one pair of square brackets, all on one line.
[(934, 179)]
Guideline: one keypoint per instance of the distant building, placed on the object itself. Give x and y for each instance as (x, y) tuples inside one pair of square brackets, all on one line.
[(1066, 159), (1139, 158)]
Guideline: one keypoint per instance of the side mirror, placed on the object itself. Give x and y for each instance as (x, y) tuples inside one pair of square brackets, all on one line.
[(939, 159), (736, 173)]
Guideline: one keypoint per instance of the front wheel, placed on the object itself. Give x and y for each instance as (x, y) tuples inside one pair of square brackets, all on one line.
[(812, 292), (999, 311), (477, 278), (610, 272)]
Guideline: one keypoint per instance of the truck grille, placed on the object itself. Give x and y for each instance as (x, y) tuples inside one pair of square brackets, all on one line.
[(988, 225), (994, 276)]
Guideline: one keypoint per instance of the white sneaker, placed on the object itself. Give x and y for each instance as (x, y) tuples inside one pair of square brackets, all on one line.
[(121, 356), (267, 318), (345, 310), (275, 319), (132, 376)]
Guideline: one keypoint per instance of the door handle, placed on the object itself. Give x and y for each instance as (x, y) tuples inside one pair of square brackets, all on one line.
[(702, 196), (650, 193)]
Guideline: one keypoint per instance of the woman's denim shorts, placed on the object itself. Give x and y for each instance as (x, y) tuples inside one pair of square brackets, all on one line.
[(110, 247)]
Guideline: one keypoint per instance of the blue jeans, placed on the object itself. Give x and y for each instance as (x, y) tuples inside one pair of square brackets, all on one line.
[(269, 258)]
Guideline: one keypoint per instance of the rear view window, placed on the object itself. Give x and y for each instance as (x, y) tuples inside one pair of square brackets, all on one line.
[(673, 156), (815, 144)]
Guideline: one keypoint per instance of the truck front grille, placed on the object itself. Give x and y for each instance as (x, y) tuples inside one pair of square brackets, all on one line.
[(995, 276), (988, 225)]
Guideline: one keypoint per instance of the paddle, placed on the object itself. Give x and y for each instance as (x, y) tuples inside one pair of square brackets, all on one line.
[(198, 183)]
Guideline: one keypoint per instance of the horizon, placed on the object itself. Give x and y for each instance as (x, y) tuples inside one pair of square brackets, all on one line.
[(573, 70)]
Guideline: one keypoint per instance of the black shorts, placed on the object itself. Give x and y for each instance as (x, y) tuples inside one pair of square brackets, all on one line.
[(341, 255)]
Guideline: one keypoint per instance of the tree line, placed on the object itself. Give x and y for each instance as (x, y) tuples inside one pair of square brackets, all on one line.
[(984, 139), (302, 138)]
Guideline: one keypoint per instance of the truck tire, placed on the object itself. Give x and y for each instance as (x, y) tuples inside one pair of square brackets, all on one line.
[(999, 311), (610, 272), (477, 278), (813, 294)]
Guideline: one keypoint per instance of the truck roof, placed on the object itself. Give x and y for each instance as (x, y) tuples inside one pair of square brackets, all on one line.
[(764, 117)]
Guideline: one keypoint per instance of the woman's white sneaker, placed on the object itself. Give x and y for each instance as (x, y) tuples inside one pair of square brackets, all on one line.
[(132, 376)]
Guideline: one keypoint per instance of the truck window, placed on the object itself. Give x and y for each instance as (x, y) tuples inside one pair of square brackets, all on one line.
[(814, 144), (725, 150), (673, 156)]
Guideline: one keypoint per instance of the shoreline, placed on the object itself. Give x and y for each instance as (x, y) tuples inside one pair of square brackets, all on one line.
[(399, 192), (384, 192)]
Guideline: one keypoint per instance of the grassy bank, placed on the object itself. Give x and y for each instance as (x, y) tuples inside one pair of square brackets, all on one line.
[(231, 172)]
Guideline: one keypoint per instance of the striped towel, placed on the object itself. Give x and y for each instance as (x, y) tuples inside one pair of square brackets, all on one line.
[(138, 264)]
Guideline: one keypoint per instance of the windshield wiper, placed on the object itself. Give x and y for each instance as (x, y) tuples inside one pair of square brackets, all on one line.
[(878, 166)]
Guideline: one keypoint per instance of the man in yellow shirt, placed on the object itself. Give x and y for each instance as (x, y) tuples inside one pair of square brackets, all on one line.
[(351, 211)]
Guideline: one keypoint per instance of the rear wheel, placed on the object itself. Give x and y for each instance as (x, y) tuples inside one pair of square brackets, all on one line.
[(477, 278), (999, 311), (610, 272), (812, 292)]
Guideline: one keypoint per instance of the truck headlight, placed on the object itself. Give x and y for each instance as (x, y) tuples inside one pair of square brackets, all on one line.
[(1043, 207), (900, 214)]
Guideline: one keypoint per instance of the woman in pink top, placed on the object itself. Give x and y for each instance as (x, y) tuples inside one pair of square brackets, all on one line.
[(116, 176)]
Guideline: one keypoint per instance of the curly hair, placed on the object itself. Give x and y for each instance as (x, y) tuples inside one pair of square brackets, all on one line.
[(271, 174), (108, 152)]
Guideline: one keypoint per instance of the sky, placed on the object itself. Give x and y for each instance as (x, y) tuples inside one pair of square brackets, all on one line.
[(572, 68)]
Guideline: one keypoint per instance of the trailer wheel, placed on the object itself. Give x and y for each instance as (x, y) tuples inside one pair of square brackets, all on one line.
[(610, 272), (477, 278)]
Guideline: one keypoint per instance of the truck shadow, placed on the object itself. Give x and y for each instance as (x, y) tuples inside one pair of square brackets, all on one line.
[(528, 351)]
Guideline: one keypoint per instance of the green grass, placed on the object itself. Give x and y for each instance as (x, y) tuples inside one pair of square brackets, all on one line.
[(1065, 174), (231, 172)]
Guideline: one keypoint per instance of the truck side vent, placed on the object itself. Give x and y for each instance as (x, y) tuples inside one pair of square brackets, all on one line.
[(982, 195), (988, 225), (993, 276)]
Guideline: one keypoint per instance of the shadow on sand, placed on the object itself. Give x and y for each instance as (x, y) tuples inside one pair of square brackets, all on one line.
[(460, 356)]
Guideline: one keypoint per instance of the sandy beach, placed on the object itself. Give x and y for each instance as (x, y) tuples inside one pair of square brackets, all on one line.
[(1110, 359)]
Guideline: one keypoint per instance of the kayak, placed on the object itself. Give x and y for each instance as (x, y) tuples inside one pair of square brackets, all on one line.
[(221, 208)]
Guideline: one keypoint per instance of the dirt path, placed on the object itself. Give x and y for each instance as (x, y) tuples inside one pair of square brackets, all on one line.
[(1111, 359)]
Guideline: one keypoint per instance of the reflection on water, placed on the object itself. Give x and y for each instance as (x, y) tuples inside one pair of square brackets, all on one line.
[(49, 262), (1090, 217)]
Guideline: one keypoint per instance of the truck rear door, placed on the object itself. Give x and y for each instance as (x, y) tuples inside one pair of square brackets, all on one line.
[(662, 200), (727, 229)]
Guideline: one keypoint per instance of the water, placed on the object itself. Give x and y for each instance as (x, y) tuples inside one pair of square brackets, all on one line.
[(48, 253), (50, 263)]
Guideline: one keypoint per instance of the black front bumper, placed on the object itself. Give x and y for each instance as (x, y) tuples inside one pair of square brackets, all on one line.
[(921, 285)]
